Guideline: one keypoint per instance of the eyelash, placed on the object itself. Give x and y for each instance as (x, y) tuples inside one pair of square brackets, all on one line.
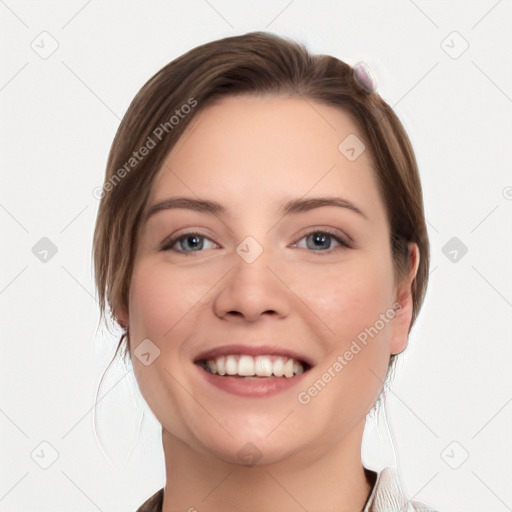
[(344, 244)]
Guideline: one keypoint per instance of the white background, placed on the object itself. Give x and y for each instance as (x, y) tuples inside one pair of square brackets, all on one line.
[(59, 116)]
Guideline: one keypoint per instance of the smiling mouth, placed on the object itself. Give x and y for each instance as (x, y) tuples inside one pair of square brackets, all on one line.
[(254, 368)]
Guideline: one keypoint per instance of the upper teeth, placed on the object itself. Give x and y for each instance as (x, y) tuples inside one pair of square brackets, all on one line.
[(262, 366)]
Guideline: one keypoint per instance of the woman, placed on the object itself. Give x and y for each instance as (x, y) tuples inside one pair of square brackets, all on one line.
[(261, 239)]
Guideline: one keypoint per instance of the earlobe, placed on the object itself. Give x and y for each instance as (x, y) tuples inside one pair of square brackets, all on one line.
[(403, 317), (121, 316)]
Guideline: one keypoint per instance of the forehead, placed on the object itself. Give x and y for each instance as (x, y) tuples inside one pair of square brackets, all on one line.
[(267, 126), (258, 149)]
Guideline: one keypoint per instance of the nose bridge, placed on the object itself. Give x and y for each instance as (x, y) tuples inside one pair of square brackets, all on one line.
[(251, 288)]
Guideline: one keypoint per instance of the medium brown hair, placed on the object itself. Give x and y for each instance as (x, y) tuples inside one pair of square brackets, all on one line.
[(259, 64)]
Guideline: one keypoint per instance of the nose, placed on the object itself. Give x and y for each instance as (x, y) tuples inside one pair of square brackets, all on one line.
[(251, 291)]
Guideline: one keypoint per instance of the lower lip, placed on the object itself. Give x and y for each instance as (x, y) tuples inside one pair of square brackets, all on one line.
[(261, 387)]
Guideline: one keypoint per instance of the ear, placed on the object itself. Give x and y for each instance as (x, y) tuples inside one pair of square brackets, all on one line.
[(122, 317), (403, 304)]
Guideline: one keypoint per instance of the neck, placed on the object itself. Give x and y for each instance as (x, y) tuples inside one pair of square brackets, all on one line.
[(325, 478)]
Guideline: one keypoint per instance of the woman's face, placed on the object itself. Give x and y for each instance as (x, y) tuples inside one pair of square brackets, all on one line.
[(309, 281)]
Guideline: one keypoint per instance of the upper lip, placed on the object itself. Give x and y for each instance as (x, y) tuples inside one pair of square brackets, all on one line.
[(252, 350)]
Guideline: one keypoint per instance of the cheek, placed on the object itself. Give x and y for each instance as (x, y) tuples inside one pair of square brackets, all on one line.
[(350, 298), (161, 308), (160, 297), (351, 303)]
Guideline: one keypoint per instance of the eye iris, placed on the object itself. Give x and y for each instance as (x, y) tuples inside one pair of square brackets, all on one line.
[(319, 239), (197, 241)]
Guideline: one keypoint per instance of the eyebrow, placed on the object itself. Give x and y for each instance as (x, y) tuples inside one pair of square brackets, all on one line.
[(291, 207)]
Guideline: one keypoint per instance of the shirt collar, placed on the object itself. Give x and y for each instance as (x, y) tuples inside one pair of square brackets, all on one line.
[(387, 494)]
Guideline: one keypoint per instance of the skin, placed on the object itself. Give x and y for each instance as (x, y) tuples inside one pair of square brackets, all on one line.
[(252, 154)]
